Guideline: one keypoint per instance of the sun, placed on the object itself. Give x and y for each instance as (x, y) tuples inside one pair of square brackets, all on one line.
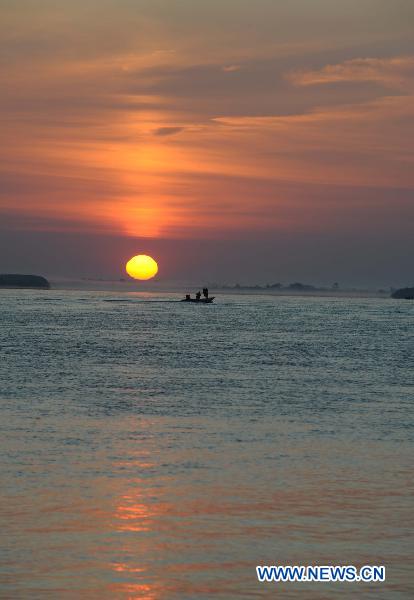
[(141, 267)]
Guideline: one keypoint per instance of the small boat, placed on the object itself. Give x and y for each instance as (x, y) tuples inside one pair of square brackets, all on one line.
[(208, 300)]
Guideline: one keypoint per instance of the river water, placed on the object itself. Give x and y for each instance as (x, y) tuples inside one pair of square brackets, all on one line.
[(157, 450)]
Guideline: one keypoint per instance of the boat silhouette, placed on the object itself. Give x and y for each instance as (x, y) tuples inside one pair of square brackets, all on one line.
[(208, 300)]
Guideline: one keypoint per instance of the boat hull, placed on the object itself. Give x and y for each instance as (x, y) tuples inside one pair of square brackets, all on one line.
[(201, 301)]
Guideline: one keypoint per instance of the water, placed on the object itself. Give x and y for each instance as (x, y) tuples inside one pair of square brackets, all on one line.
[(157, 450)]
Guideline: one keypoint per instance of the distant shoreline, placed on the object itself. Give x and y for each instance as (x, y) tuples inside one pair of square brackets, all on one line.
[(186, 287), (181, 288), (309, 293), (23, 281)]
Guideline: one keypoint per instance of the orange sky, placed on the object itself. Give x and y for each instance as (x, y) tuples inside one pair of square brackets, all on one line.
[(182, 119)]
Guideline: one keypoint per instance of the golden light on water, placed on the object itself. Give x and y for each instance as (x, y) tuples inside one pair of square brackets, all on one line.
[(142, 267)]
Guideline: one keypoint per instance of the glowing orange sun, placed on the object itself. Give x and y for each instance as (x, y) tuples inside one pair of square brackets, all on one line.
[(141, 267)]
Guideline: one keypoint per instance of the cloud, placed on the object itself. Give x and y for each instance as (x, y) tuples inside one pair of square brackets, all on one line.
[(356, 144), (391, 72), (231, 68), (165, 131)]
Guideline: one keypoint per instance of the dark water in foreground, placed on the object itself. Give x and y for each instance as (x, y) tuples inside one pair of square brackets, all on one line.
[(156, 450)]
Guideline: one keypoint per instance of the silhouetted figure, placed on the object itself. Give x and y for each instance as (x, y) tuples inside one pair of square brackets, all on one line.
[(198, 295), (205, 292), (188, 297)]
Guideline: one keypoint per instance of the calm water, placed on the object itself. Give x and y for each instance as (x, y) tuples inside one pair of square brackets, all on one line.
[(156, 450)]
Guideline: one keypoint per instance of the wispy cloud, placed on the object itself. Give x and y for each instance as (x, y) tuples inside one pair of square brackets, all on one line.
[(165, 131), (393, 72), (141, 123), (231, 68)]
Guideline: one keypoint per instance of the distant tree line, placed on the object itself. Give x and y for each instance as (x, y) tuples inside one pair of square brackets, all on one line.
[(404, 294), (23, 281), (295, 287)]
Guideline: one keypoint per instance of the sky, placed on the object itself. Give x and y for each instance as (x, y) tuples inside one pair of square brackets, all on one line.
[(234, 141)]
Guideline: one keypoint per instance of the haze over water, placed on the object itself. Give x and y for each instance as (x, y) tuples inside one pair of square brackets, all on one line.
[(156, 450)]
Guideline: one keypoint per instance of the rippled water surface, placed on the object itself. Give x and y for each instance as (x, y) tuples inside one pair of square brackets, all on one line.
[(157, 450)]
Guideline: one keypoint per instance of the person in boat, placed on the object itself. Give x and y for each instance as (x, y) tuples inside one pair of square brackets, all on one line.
[(205, 292), (198, 295), (188, 297)]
